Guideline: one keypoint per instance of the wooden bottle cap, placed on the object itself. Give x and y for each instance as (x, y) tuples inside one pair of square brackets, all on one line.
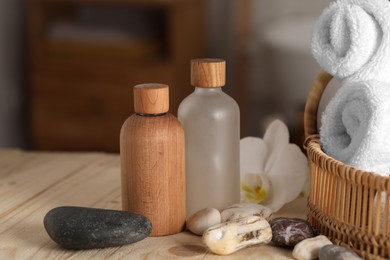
[(208, 73), (151, 98)]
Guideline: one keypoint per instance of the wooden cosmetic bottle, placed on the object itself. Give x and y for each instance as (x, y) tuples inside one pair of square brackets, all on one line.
[(152, 161)]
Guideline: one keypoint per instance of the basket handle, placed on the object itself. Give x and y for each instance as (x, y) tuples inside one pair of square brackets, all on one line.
[(313, 101)]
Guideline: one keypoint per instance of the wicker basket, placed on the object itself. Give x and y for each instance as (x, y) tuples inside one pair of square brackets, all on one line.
[(343, 203)]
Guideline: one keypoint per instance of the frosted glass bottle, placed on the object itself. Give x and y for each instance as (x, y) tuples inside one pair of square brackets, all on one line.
[(211, 122)]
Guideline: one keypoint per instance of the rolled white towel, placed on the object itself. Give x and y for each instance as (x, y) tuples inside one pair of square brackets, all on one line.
[(356, 126), (351, 39)]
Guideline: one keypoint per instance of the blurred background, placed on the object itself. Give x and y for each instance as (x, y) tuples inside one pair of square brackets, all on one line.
[(67, 67)]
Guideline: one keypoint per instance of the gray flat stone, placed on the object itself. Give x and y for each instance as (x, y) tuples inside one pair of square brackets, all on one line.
[(88, 228), (333, 252)]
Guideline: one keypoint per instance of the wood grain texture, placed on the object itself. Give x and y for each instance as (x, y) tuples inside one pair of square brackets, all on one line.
[(32, 183), (208, 73), (153, 176), (151, 98)]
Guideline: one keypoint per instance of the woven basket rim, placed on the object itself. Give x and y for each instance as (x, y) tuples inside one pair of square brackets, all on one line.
[(312, 137), (347, 172)]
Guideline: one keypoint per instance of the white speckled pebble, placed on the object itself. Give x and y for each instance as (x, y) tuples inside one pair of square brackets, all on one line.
[(228, 237), (245, 209), (203, 219), (309, 248)]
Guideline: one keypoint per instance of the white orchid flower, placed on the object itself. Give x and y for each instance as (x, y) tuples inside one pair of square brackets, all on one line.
[(273, 171)]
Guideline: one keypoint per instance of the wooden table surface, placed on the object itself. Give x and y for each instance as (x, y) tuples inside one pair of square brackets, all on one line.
[(32, 183)]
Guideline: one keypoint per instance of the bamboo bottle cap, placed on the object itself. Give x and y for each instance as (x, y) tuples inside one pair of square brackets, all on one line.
[(208, 73), (151, 98)]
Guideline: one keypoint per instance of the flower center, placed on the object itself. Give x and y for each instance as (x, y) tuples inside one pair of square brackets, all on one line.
[(255, 188)]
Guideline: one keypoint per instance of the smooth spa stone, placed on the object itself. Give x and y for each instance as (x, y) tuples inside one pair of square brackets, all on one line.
[(290, 231), (309, 248), (87, 228), (229, 237), (333, 252), (203, 219), (245, 209)]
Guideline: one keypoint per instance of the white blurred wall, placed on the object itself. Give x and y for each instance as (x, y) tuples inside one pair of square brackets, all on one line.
[(281, 68), (266, 11), (11, 18)]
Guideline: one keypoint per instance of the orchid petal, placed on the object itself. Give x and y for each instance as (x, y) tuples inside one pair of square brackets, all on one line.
[(276, 138), (252, 155), (287, 177), (273, 171)]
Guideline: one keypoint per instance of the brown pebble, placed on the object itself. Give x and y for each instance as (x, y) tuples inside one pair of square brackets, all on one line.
[(290, 231)]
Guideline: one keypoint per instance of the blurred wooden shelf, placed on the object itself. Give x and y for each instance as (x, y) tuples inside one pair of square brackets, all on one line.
[(80, 91), (124, 51)]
